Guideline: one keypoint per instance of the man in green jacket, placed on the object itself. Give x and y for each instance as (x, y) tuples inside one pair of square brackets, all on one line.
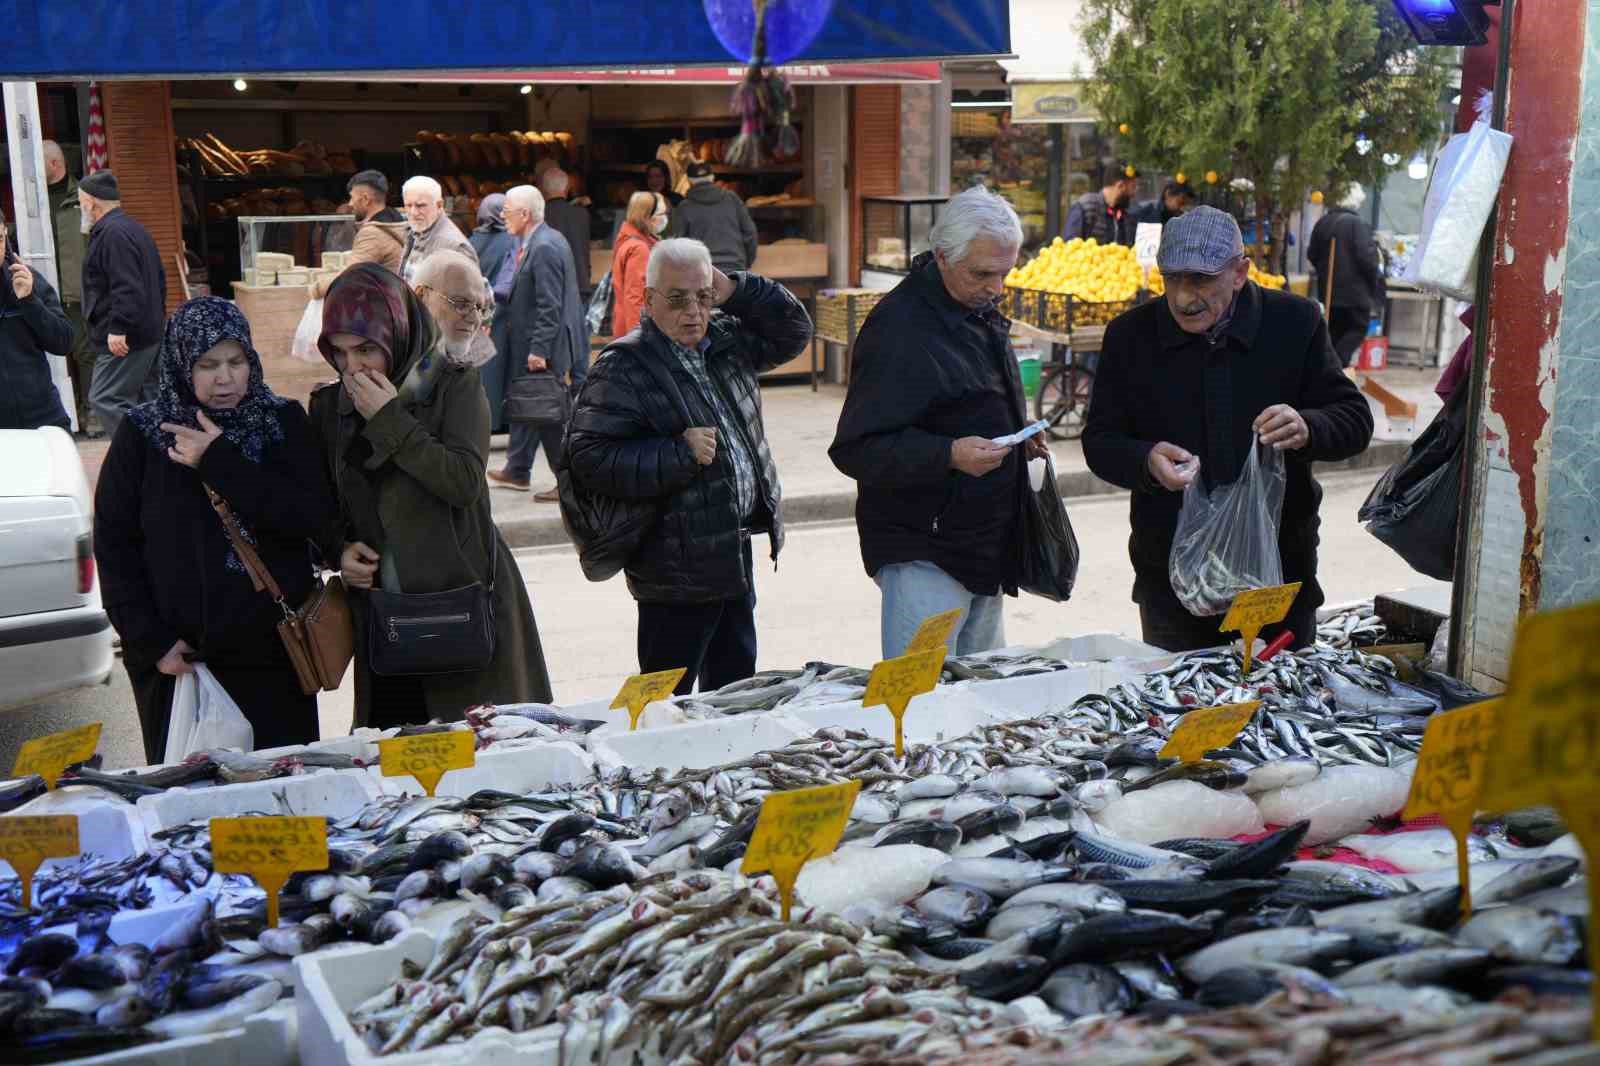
[(66, 220)]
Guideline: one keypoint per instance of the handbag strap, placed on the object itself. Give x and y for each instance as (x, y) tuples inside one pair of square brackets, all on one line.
[(260, 576)]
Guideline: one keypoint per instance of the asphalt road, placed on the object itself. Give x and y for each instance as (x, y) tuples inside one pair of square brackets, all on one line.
[(819, 604)]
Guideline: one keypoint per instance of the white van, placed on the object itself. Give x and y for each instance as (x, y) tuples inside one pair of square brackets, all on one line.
[(54, 634)]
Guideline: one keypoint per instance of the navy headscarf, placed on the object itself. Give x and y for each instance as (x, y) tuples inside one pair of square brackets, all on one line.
[(194, 329)]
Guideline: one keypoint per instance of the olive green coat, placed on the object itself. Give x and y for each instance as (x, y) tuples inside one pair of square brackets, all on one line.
[(421, 501)]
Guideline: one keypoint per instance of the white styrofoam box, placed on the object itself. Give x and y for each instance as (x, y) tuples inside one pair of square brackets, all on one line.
[(107, 826), (265, 1039), (333, 982), (146, 926), (529, 769), (335, 793), (1032, 694), (946, 712), (696, 745), (361, 744)]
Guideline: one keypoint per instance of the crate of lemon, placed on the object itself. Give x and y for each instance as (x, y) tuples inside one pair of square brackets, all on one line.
[(1076, 283)]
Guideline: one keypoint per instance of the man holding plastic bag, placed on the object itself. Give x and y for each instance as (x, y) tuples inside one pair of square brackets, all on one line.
[(1211, 405)]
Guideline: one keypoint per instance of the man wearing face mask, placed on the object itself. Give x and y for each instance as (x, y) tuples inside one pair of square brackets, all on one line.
[(1186, 384)]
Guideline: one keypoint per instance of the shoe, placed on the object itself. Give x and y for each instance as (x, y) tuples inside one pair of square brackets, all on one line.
[(548, 496), (504, 480)]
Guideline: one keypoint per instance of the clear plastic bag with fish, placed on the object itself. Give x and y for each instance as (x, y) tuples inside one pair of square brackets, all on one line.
[(204, 717), (1227, 538)]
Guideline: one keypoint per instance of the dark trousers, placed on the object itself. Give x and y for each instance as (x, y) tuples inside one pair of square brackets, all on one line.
[(80, 362), (1347, 327), (716, 641), (524, 445), (267, 693), (1171, 627)]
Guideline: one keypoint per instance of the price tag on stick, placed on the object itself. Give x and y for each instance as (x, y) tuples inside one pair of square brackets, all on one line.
[(934, 632), (641, 690), (1256, 608), (895, 682), (429, 756), (47, 756), (26, 841), (795, 827), (1449, 777), (269, 849), (1206, 729)]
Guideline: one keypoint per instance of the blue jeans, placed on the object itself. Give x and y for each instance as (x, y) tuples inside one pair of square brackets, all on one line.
[(913, 591)]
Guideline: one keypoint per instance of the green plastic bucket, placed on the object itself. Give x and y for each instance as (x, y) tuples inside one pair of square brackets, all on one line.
[(1028, 367)]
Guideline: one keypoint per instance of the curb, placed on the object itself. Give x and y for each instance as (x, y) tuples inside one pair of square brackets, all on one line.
[(834, 506)]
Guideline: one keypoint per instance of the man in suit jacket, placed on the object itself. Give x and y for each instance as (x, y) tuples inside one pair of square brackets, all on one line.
[(572, 222), (543, 329)]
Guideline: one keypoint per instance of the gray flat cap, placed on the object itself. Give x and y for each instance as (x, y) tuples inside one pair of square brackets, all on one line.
[(1202, 240)]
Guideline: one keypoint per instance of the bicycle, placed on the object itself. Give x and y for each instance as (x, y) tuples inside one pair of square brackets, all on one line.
[(1065, 385)]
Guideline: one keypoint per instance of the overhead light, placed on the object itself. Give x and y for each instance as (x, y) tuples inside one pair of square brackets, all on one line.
[(1418, 168), (240, 84), (525, 90), (1445, 22)]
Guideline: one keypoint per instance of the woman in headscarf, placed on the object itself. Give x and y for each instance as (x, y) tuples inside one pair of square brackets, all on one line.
[(497, 257), (405, 436), (173, 586)]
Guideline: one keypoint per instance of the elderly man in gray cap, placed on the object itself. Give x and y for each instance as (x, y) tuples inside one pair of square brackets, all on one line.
[(1184, 386)]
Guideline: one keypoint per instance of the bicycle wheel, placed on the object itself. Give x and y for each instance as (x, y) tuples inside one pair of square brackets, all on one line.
[(1063, 399)]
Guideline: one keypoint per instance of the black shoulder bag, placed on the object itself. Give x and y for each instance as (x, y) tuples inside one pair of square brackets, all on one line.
[(418, 633)]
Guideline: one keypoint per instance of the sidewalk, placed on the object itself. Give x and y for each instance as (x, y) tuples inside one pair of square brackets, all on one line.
[(800, 426)]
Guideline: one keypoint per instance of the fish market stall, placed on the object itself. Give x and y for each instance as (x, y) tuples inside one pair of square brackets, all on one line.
[(1030, 880)]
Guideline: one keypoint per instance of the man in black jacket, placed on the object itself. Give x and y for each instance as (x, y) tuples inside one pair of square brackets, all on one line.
[(938, 504), (717, 219), (124, 302), (32, 323), (1187, 383), (1105, 216), (672, 413), (1358, 289)]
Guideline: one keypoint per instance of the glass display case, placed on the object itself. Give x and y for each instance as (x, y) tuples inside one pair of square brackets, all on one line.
[(895, 229), (292, 249)]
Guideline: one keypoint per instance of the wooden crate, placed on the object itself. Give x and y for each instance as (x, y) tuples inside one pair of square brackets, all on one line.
[(835, 308)]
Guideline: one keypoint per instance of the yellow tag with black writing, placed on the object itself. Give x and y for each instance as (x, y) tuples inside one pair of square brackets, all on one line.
[(895, 682), (1206, 729), (934, 632), (26, 841), (428, 756), (795, 827), (1255, 608), (641, 690), (47, 756), (1449, 776), (269, 849)]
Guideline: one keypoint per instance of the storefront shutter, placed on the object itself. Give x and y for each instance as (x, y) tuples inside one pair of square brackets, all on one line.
[(874, 155)]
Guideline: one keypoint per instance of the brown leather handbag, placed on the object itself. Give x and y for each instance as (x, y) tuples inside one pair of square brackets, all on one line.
[(319, 636)]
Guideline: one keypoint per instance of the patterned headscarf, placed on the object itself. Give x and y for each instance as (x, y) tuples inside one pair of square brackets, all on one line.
[(194, 329), (373, 303)]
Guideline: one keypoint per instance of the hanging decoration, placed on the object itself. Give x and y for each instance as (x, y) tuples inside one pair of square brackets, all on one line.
[(765, 33), (95, 155)]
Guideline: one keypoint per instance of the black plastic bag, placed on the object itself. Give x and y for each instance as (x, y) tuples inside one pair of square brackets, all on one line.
[(1415, 506), (1049, 547), (606, 530)]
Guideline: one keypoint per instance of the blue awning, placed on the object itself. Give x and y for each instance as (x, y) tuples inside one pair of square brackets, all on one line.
[(49, 40)]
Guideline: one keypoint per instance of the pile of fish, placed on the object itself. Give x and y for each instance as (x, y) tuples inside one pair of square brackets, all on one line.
[(1357, 626)]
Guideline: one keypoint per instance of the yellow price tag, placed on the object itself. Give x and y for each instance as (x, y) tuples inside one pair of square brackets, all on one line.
[(1449, 776), (26, 841), (795, 827), (640, 690), (934, 632), (269, 849), (894, 682), (47, 756), (428, 756), (1206, 729), (1255, 608)]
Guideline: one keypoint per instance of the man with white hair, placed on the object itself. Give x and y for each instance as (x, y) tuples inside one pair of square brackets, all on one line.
[(539, 332), (938, 506), (69, 240), (431, 229), (671, 416), (451, 288), (1344, 237)]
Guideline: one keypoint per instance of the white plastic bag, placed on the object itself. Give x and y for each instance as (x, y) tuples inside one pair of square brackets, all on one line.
[(304, 347), (1466, 180), (204, 718), (1227, 539)]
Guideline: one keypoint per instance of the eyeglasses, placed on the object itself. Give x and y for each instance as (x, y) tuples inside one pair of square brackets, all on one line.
[(680, 301), (464, 308)]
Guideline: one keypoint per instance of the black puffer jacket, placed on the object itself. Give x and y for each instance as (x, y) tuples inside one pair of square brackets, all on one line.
[(28, 329), (626, 440)]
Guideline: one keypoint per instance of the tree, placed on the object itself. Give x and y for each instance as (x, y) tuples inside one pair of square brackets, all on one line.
[(1272, 91)]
